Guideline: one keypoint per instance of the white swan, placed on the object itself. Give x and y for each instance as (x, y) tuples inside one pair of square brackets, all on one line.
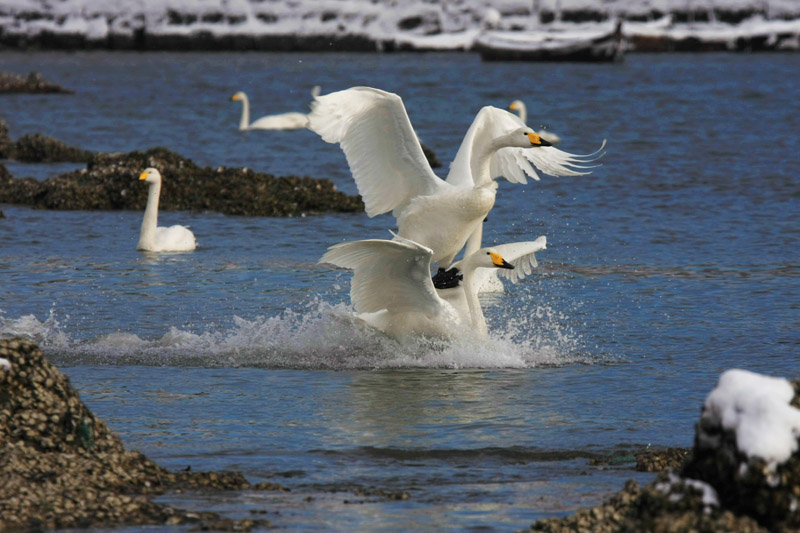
[(151, 237), (522, 111), (392, 290), (392, 174), (283, 121)]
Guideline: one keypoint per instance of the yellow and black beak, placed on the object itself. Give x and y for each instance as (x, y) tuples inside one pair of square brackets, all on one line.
[(235, 97), (499, 262), (143, 175), (536, 140)]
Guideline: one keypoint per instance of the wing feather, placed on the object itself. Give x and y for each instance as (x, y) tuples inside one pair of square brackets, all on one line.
[(520, 254), (514, 164), (382, 150), (393, 275)]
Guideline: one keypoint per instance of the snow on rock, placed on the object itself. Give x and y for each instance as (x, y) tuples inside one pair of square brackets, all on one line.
[(757, 408)]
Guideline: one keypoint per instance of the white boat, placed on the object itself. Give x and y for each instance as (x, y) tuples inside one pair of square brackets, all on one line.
[(601, 43)]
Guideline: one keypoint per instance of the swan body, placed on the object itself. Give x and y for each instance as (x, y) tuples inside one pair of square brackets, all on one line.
[(282, 121), (392, 290), (522, 111), (161, 239), (392, 174)]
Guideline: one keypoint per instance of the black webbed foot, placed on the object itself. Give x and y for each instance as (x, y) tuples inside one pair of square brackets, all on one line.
[(447, 279)]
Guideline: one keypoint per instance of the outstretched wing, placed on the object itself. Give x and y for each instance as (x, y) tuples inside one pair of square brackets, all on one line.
[(520, 254), (393, 275), (383, 152), (514, 164)]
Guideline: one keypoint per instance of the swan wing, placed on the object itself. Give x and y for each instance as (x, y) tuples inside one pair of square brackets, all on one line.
[(393, 275), (520, 254), (283, 121), (382, 150), (514, 164)]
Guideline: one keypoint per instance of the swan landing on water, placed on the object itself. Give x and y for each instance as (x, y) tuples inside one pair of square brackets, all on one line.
[(392, 290), (151, 237)]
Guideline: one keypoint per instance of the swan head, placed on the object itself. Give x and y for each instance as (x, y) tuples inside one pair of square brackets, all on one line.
[(521, 138), (150, 175), (516, 105), (238, 96), (492, 259)]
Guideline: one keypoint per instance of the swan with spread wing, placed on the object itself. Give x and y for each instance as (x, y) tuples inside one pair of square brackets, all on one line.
[(392, 174), (392, 290)]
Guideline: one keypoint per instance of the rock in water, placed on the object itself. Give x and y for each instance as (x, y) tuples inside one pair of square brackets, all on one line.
[(61, 467)]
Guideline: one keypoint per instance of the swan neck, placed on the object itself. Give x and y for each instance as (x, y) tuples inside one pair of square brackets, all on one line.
[(244, 122), (478, 322), (523, 113), (483, 163), (147, 236)]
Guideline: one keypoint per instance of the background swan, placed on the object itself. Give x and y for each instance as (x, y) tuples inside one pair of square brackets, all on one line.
[(283, 121), (151, 237), (392, 174), (392, 290), (519, 107)]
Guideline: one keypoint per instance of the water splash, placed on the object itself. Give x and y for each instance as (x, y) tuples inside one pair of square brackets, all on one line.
[(322, 336)]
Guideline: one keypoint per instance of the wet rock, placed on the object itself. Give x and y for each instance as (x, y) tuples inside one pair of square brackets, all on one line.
[(660, 459), (36, 148), (718, 489), (61, 467), (110, 182), (32, 83), (747, 485), (6, 144)]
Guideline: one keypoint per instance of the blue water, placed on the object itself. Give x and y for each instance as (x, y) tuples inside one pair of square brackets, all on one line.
[(673, 261)]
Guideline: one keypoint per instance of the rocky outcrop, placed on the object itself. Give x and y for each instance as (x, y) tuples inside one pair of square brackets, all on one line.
[(110, 181), (37, 148), (61, 466), (32, 83), (720, 486)]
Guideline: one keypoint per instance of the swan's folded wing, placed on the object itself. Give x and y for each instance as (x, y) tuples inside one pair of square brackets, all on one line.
[(283, 121), (384, 154), (393, 275), (514, 164)]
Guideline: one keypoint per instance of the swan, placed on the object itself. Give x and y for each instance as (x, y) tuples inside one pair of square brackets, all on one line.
[(392, 174), (283, 121), (522, 111), (151, 237), (392, 290)]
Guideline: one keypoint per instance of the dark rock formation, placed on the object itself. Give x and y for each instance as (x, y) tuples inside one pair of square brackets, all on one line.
[(110, 181), (60, 466), (36, 148), (32, 83), (658, 460), (750, 497)]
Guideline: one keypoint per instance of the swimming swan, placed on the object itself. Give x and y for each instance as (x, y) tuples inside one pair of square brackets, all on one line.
[(392, 290), (522, 111), (283, 121), (392, 174), (151, 237)]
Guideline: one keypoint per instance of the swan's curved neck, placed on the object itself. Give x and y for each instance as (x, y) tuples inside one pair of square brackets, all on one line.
[(478, 322), (147, 236), (482, 172), (244, 122), (522, 112)]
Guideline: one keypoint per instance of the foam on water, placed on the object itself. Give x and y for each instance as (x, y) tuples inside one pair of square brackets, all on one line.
[(323, 336)]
